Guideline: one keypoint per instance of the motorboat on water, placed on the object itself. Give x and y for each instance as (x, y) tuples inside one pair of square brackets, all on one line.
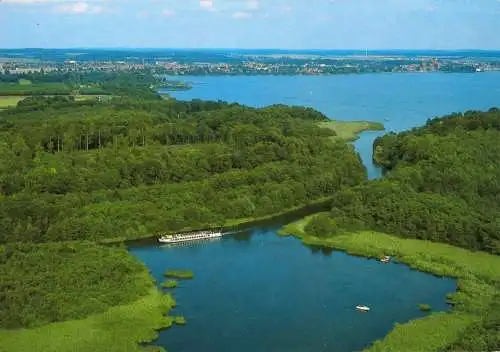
[(385, 259), (363, 308)]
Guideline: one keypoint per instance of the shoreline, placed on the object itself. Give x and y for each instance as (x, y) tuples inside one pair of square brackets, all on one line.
[(478, 283), (244, 223)]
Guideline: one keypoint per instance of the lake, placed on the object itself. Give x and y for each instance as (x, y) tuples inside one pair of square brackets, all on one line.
[(400, 100), (257, 291)]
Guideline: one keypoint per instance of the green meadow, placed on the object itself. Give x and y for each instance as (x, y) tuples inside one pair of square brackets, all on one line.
[(350, 130), (9, 101)]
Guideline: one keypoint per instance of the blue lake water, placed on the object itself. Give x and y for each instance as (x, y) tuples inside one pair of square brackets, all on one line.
[(257, 291), (405, 100), (260, 292)]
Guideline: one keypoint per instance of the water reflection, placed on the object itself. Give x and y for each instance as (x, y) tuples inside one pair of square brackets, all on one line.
[(316, 249)]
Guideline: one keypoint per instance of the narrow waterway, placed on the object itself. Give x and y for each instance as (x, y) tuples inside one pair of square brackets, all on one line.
[(257, 291)]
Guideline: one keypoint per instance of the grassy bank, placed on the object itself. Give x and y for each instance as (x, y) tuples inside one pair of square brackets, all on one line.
[(477, 274), (119, 329), (350, 130)]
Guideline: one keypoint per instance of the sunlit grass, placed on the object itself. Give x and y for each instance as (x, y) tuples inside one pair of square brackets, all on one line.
[(428, 334), (9, 101), (350, 130), (24, 82)]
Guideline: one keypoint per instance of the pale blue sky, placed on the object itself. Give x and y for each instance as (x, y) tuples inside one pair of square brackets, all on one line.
[(295, 24)]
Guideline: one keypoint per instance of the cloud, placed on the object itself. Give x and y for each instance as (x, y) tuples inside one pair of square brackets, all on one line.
[(168, 13), (28, 2), (207, 4), (78, 8), (242, 14), (255, 4)]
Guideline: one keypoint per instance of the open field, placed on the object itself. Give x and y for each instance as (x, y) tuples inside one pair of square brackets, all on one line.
[(24, 82), (9, 101), (350, 130), (119, 329), (10, 89), (477, 273)]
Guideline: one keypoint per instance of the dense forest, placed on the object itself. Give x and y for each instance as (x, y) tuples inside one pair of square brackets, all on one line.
[(131, 168), (134, 83), (54, 282)]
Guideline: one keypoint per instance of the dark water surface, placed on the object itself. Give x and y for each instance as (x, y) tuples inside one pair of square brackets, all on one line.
[(256, 291)]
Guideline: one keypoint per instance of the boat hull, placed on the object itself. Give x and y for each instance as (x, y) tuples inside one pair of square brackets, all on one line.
[(189, 238)]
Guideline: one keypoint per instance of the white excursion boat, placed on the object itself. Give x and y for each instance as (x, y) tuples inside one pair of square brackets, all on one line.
[(363, 308), (192, 236)]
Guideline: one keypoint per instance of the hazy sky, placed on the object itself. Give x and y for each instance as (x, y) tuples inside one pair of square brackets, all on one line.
[(297, 24)]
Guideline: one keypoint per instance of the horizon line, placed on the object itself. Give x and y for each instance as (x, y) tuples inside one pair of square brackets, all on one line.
[(241, 49)]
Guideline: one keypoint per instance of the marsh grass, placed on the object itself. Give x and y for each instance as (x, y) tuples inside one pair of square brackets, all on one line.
[(424, 307), (180, 320), (179, 274), (121, 328), (169, 284)]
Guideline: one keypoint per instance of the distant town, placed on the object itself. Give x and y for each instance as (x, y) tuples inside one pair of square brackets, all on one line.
[(241, 63)]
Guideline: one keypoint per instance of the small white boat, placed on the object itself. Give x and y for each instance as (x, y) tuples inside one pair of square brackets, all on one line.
[(385, 259), (363, 308)]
